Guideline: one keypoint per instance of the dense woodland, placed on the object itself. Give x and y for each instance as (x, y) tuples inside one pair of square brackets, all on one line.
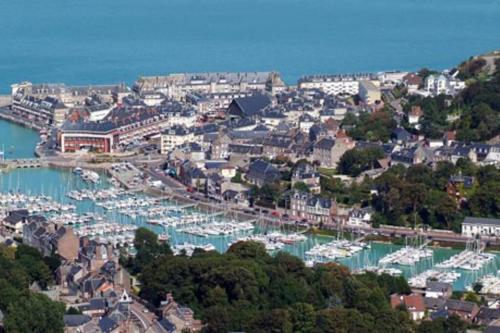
[(245, 289), (417, 195), (26, 311), (477, 107)]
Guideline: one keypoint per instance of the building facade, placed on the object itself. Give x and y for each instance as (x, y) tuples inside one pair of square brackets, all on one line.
[(313, 208)]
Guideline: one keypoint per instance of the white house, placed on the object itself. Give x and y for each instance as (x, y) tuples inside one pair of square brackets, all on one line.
[(415, 114), (473, 226), (493, 156), (360, 217)]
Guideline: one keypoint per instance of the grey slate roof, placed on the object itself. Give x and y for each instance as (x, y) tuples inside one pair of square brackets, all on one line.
[(107, 325), (457, 305), (264, 171), (167, 325), (481, 220), (400, 134), (492, 329), (434, 303), (245, 149), (325, 144), (250, 105), (487, 314), (75, 320), (437, 286), (97, 304)]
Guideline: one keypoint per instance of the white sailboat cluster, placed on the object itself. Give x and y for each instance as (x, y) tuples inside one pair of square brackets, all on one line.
[(381, 270), (114, 233), (420, 280), (218, 229), (473, 258), (180, 219), (490, 284), (35, 204), (406, 256), (189, 248), (337, 249), (273, 241), (96, 195), (75, 219), (414, 251), (88, 175)]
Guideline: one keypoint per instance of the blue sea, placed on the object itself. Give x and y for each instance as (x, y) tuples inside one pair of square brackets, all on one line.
[(104, 41)]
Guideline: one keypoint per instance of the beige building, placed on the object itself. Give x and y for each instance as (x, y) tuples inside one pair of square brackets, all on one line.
[(328, 151), (175, 137), (369, 92)]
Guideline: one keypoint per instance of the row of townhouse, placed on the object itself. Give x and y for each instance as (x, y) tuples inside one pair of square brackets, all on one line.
[(49, 104), (179, 86)]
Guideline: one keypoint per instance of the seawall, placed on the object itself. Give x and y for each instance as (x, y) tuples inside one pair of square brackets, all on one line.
[(5, 100)]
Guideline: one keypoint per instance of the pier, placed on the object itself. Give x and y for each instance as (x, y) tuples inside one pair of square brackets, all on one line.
[(23, 163), (216, 214), (185, 206), (359, 239), (424, 244)]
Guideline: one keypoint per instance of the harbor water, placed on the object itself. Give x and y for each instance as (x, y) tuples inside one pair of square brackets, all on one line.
[(16, 141), (98, 41), (57, 183)]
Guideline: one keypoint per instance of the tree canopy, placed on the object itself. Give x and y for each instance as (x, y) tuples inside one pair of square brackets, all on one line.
[(357, 160), (26, 311), (245, 289)]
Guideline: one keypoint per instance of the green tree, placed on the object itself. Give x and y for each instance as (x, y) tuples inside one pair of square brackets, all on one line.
[(148, 248), (275, 321), (355, 161), (301, 186), (237, 178), (431, 326), (303, 317), (73, 311), (454, 324), (21, 316), (248, 250)]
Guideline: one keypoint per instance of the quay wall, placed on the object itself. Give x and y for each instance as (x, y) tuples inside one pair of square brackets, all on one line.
[(5, 100), (203, 206), (6, 114)]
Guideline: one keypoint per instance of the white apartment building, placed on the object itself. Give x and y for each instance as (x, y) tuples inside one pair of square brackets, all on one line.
[(437, 85), (336, 84)]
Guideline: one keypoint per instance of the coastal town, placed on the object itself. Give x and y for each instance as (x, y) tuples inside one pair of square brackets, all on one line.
[(378, 172)]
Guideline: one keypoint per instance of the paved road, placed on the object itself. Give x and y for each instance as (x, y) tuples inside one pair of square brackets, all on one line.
[(173, 186), (147, 319)]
